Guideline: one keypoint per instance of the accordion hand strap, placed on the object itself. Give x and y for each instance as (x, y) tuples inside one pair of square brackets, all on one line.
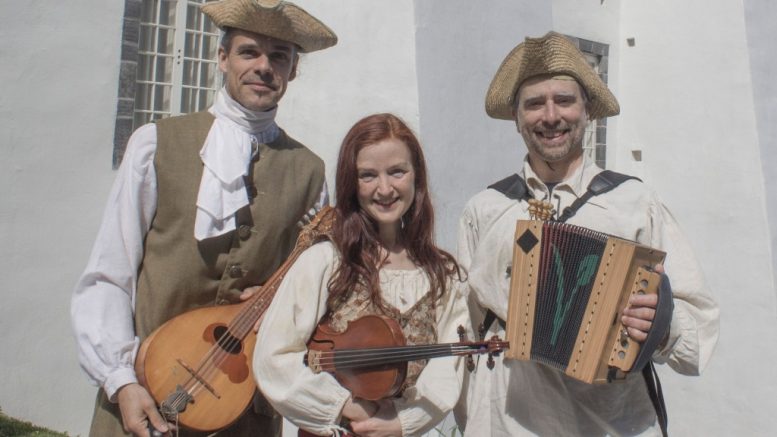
[(660, 326)]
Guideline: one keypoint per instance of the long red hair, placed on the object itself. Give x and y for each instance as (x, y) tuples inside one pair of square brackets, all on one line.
[(355, 234)]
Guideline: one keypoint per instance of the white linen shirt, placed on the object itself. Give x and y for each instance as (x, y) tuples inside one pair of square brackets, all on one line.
[(314, 401), (103, 302), (519, 398)]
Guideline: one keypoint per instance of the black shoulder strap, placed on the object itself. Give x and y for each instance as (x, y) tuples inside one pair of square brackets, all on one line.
[(513, 187), (603, 182)]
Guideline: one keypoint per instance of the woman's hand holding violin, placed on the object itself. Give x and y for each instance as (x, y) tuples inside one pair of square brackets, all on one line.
[(384, 423), (356, 409)]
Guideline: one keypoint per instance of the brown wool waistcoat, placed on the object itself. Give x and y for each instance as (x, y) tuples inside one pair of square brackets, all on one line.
[(179, 273)]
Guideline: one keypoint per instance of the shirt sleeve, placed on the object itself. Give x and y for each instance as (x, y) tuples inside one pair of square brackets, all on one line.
[(312, 401), (439, 385), (693, 332), (467, 238), (102, 305)]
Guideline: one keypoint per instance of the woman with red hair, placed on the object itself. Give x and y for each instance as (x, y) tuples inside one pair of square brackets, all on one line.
[(381, 260)]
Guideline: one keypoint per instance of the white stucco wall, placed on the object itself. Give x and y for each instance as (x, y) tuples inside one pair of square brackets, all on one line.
[(761, 28), (687, 97), (460, 45), (57, 103), (371, 69)]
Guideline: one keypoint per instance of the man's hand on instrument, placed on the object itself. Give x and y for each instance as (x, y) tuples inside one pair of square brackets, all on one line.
[(359, 409), (385, 423), (245, 295), (639, 314), (138, 409)]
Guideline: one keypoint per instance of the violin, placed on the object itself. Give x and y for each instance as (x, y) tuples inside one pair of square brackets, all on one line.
[(370, 356)]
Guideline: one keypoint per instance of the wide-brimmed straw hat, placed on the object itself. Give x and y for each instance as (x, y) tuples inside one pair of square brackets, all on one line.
[(550, 55), (275, 18)]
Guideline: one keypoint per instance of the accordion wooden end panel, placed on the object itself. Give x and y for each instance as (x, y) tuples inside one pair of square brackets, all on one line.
[(568, 288)]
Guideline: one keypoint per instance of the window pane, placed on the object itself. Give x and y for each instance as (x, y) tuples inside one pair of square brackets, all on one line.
[(210, 46), (192, 45), (164, 69), (207, 74), (193, 17), (148, 11), (205, 97), (147, 38), (141, 96), (186, 101), (165, 41), (167, 12), (209, 26), (140, 118), (188, 72), (161, 97), (145, 67)]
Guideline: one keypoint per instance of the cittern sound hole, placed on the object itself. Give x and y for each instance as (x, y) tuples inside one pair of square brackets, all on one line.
[(226, 340)]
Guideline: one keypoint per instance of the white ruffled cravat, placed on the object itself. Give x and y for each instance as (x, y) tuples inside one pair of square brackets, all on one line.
[(226, 155)]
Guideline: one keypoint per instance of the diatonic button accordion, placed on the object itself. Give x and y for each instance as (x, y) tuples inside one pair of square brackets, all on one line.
[(568, 288)]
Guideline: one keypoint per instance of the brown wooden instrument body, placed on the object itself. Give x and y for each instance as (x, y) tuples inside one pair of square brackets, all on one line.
[(372, 382), (197, 366), (168, 357)]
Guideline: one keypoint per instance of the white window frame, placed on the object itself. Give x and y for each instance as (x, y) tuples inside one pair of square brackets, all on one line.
[(189, 45), (131, 108)]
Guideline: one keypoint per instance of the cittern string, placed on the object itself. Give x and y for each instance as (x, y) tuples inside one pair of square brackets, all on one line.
[(231, 338)]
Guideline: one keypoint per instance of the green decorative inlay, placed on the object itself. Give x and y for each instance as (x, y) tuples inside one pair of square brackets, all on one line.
[(585, 272)]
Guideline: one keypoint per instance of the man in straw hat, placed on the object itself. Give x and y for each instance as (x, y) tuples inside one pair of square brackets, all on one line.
[(204, 207), (546, 87)]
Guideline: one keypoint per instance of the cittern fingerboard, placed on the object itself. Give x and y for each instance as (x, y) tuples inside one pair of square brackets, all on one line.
[(568, 288)]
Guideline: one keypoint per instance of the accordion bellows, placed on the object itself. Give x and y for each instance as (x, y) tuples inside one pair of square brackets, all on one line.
[(568, 287)]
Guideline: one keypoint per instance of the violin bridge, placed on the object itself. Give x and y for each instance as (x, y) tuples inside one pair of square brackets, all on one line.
[(313, 360)]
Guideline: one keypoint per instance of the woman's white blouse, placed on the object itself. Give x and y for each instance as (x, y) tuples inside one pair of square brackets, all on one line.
[(315, 401)]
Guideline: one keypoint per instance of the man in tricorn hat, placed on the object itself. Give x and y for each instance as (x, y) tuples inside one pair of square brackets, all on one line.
[(205, 206), (546, 87)]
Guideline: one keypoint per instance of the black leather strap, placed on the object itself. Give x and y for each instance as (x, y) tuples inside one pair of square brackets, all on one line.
[(603, 182), (656, 396), (513, 186)]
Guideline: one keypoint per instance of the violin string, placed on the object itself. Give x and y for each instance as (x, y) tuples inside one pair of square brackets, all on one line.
[(366, 362), (359, 353), (356, 358)]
